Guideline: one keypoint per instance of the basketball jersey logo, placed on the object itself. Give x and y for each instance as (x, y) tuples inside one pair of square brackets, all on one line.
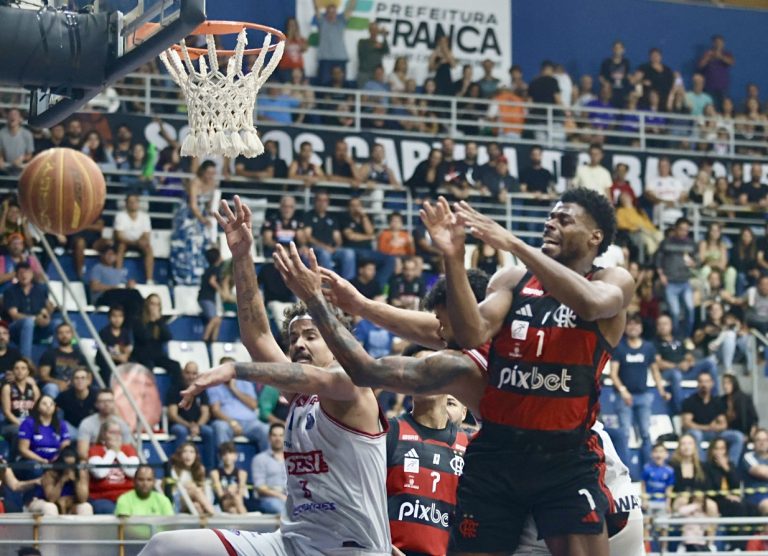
[(564, 317)]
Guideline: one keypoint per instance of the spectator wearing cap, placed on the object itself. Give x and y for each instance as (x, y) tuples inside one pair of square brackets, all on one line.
[(17, 253), (29, 309), (8, 354)]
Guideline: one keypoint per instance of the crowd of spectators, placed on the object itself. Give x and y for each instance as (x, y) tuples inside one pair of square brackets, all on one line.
[(694, 306)]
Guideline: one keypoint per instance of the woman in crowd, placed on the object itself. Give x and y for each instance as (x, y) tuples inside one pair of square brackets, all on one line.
[(398, 79), (702, 191), (740, 409), (690, 478), (441, 62), (9, 482), (723, 477), (150, 336), (636, 223), (109, 483), (428, 175), (301, 91), (744, 260), (42, 435), (229, 483), (713, 254), (188, 470), (487, 258), (169, 160), (17, 399), (62, 491), (192, 225), (101, 153), (293, 55)]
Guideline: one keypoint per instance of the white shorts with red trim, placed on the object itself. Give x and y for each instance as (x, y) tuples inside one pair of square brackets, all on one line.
[(247, 543)]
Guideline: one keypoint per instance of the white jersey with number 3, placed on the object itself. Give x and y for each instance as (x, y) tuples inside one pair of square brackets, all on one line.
[(337, 499)]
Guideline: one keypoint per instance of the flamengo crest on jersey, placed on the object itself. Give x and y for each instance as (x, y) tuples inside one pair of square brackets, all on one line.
[(422, 477), (544, 367)]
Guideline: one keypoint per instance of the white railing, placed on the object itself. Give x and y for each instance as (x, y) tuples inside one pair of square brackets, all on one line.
[(548, 125)]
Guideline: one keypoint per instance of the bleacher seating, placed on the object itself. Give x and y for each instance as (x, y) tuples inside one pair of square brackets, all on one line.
[(235, 350), (162, 291), (185, 300), (68, 299), (190, 351)]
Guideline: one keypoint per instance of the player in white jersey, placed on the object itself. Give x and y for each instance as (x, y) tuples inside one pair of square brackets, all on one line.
[(462, 374), (335, 438)]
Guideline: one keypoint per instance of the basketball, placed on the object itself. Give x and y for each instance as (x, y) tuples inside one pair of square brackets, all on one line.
[(62, 191)]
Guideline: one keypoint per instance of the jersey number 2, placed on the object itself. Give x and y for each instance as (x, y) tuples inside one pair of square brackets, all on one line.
[(435, 479)]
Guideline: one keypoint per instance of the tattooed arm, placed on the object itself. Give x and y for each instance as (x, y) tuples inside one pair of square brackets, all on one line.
[(331, 383), (251, 313), (444, 372)]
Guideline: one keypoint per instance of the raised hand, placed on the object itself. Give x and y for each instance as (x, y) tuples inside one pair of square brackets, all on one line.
[(218, 375), (304, 282), (341, 292), (237, 227), (483, 228), (443, 227)]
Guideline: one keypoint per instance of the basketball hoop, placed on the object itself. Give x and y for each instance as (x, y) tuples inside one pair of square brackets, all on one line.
[(220, 105)]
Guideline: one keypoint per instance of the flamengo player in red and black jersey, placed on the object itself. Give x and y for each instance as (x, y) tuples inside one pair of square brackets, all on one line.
[(552, 328), (448, 370), (425, 458)]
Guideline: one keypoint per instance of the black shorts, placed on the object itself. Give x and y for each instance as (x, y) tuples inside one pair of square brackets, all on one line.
[(90, 237), (565, 492)]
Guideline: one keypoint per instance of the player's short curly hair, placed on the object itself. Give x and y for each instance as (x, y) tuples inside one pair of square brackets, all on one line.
[(438, 295), (299, 309), (599, 208)]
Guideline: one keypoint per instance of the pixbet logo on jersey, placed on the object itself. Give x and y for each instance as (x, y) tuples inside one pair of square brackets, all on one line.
[(430, 514), (532, 380)]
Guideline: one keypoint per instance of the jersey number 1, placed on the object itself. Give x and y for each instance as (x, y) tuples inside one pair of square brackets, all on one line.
[(540, 346)]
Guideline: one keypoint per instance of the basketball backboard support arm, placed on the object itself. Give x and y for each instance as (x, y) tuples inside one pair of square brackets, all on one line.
[(118, 62)]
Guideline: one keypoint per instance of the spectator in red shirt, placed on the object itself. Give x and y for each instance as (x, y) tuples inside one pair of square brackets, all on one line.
[(621, 185), (108, 483)]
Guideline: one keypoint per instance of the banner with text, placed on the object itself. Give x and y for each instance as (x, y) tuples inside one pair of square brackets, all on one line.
[(476, 30), (403, 154)]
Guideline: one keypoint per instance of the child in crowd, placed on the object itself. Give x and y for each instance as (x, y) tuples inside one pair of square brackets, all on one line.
[(395, 240), (119, 341), (229, 483), (188, 470), (658, 480)]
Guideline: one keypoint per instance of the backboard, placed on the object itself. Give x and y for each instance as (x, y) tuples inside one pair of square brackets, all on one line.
[(67, 55)]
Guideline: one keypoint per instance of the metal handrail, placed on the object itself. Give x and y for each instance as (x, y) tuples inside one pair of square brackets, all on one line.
[(105, 354), (154, 91)]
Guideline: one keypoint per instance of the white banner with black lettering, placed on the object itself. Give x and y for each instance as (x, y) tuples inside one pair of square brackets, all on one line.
[(477, 30)]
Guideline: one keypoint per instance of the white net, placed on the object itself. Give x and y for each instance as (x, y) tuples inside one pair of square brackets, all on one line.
[(221, 105)]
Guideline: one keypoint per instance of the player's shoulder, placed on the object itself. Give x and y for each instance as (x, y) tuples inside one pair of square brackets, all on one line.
[(506, 278), (615, 275)]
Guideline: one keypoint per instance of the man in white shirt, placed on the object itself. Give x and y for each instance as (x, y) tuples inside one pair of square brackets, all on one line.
[(667, 193), (132, 230), (16, 144), (594, 175)]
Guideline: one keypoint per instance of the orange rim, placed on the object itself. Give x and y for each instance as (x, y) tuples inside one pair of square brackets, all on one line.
[(229, 28)]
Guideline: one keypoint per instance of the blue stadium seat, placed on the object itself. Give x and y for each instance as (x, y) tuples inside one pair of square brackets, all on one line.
[(187, 328), (245, 452)]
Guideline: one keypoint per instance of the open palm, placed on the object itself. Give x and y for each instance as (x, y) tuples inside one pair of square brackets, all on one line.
[(446, 234), (237, 227)]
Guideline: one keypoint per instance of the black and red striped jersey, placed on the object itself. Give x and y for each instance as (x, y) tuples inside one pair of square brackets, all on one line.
[(423, 470), (543, 372)]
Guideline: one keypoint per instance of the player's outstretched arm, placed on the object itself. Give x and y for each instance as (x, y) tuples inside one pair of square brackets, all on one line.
[(472, 325), (415, 326), (251, 313), (602, 298), (332, 383)]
